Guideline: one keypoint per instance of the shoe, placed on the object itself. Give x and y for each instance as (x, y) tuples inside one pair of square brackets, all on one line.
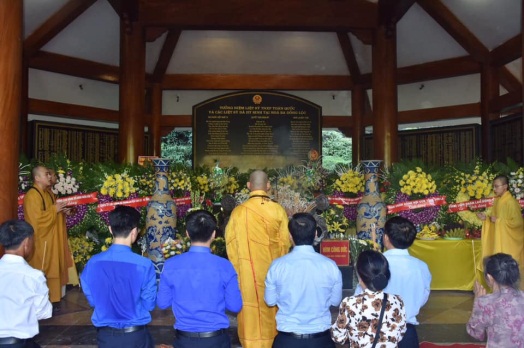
[(56, 307)]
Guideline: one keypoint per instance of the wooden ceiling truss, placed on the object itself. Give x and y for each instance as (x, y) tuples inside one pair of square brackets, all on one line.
[(359, 17)]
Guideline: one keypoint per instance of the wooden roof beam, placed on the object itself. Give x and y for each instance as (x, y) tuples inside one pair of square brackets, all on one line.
[(107, 73), (507, 52), (58, 21), (508, 80), (392, 11), (449, 22), (272, 15), (252, 82), (165, 55), (61, 64), (441, 69)]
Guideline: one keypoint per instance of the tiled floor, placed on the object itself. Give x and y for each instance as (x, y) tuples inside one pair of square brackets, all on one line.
[(441, 320)]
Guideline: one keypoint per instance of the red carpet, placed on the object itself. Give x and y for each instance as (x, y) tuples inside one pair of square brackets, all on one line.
[(452, 345)]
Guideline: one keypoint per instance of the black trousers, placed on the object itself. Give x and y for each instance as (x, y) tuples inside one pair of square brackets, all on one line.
[(285, 341), (220, 341), (410, 339), (29, 343), (117, 339)]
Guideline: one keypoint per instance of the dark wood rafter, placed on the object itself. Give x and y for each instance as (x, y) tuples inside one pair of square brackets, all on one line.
[(165, 55), (58, 21), (505, 102), (349, 55), (394, 10), (272, 15), (507, 52), (102, 72), (509, 81), (71, 111), (441, 69), (128, 8), (449, 22), (351, 62), (71, 66), (80, 112), (252, 82)]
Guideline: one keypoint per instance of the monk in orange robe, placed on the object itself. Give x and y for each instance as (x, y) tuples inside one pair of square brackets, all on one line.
[(256, 234), (503, 228), (41, 212)]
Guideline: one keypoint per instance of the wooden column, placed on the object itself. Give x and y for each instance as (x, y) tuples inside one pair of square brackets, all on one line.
[(489, 89), (358, 105), (156, 114), (11, 39), (132, 92), (385, 124)]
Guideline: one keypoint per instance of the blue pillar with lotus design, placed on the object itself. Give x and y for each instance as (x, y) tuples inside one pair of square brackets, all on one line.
[(371, 210), (161, 216)]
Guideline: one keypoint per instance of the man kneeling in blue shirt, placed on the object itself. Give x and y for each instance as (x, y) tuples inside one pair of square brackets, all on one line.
[(303, 284), (121, 286), (200, 287)]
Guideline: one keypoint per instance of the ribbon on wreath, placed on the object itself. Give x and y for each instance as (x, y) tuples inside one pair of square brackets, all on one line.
[(471, 205), (344, 200), (416, 204), (135, 203), (79, 199)]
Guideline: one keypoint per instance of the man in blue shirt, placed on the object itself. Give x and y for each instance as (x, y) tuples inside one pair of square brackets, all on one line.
[(410, 277), (200, 287), (121, 286), (303, 284)]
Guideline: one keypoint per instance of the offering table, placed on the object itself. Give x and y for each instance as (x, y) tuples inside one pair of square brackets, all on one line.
[(454, 264)]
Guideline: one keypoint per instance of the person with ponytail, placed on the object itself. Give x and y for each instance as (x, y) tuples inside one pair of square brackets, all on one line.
[(500, 314), (372, 318)]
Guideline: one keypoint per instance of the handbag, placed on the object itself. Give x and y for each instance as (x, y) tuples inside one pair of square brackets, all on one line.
[(384, 301)]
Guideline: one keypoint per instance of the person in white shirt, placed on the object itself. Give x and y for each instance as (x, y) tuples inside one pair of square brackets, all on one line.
[(24, 295), (303, 284), (410, 277)]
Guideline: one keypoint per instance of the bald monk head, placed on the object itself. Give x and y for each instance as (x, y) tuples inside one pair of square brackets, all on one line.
[(258, 181)]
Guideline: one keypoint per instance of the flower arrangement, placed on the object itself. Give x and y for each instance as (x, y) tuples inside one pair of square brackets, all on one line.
[(337, 224), (409, 181), (179, 182), (202, 183), (350, 181), (288, 180), (357, 245), (417, 182), (107, 243), (172, 247), (177, 246), (146, 183), (516, 183), (82, 248), (66, 184), (23, 177), (472, 181), (118, 186)]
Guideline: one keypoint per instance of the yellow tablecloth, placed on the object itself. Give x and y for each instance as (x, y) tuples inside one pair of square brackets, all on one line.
[(454, 264)]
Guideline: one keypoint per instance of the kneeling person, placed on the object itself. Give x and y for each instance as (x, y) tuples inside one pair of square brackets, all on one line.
[(303, 284), (121, 286), (200, 287), (24, 296)]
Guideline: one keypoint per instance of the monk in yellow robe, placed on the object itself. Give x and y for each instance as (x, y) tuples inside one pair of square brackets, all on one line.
[(256, 234), (41, 212), (503, 228), (72, 273)]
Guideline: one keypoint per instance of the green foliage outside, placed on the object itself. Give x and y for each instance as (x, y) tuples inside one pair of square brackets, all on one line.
[(336, 148)]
